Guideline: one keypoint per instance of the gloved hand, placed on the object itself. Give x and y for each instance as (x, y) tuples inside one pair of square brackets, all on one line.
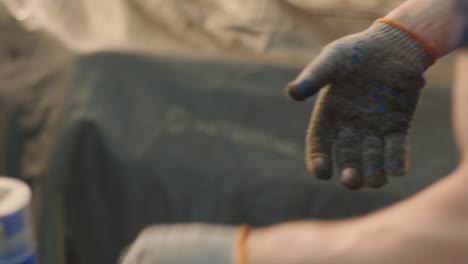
[(374, 79), (188, 244)]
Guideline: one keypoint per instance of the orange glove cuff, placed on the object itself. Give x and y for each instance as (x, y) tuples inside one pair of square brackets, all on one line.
[(242, 245)]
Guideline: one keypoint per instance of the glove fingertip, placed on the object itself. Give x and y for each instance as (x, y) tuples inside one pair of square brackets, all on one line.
[(299, 91), (292, 92), (320, 167), (351, 178)]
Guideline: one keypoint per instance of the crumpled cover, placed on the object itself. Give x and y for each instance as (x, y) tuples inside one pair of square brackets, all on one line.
[(145, 140), (286, 30)]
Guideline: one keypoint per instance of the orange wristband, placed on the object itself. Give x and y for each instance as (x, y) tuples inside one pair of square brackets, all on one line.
[(428, 46), (242, 245)]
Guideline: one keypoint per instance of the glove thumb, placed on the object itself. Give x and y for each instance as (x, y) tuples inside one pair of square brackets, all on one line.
[(315, 76)]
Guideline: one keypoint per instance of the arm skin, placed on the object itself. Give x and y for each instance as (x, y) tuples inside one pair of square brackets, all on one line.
[(430, 227), (460, 103)]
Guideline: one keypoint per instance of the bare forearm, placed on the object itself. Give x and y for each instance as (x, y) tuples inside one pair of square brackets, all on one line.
[(302, 242), (437, 21), (430, 227), (427, 228)]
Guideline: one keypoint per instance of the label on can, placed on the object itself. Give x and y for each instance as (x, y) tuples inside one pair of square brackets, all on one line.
[(16, 233)]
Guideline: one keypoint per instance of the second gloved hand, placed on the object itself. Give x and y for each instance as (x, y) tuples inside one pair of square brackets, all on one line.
[(188, 244), (369, 86)]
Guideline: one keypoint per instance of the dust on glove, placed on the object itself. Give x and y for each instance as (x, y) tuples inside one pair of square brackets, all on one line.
[(369, 86)]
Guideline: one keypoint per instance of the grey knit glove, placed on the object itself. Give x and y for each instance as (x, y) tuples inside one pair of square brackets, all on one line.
[(373, 82), (187, 244)]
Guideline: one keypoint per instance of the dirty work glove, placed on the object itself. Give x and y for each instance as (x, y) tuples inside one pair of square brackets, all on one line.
[(373, 82), (188, 244)]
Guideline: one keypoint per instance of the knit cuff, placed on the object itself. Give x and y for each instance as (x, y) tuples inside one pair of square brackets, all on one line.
[(407, 45)]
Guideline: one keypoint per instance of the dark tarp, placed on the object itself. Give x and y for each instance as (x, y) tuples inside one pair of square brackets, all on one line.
[(145, 140)]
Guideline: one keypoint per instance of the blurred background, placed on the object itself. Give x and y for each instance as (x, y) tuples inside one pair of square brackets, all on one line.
[(283, 31), (125, 113)]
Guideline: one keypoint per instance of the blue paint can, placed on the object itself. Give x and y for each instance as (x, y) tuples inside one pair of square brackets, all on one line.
[(17, 244)]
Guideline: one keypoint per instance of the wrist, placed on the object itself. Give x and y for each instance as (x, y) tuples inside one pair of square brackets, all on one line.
[(437, 21), (302, 242)]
